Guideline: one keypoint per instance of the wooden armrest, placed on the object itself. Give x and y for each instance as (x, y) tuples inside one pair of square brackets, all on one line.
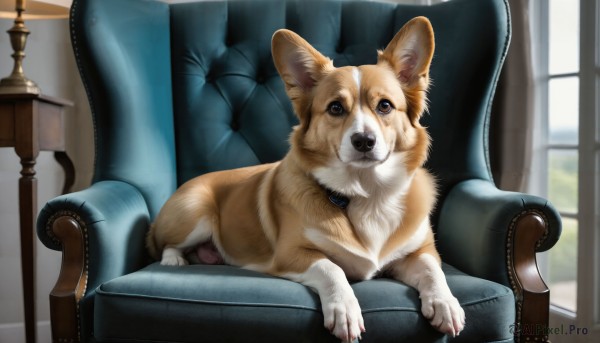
[(532, 295), (70, 287)]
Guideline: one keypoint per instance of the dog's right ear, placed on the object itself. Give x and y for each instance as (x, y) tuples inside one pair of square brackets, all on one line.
[(300, 65)]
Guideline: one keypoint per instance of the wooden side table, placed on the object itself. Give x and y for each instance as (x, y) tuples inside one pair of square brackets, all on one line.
[(32, 123)]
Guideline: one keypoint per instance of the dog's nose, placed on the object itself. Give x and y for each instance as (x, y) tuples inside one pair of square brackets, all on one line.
[(363, 141)]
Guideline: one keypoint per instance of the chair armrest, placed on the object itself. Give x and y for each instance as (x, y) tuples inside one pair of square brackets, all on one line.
[(476, 226), (495, 235), (100, 231)]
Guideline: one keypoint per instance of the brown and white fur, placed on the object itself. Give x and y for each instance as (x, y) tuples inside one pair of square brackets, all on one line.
[(359, 135)]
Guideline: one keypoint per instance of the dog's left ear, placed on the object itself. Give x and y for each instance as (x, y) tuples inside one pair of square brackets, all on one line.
[(409, 54)]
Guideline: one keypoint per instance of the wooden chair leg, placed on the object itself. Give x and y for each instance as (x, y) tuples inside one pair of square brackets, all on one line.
[(71, 284), (531, 292)]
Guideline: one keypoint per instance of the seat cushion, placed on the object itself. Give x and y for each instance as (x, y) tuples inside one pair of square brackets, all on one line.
[(201, 303)]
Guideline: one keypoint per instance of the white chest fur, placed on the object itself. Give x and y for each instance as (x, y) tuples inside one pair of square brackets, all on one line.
[(376, 210)]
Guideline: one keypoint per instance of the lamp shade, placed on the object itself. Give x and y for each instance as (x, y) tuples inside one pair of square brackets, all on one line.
[(38, 9)]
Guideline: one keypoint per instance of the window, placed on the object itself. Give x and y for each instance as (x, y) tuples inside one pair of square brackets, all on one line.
[(566, 36), (557, 152)]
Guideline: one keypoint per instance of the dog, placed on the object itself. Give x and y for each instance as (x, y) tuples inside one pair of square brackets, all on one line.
[(350, 200)]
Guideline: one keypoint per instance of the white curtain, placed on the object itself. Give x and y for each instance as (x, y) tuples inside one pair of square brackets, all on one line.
[(511, 127)]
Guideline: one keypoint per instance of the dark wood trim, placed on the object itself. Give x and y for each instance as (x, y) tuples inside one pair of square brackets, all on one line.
[(65, 162), (67, 229), (531, 292)]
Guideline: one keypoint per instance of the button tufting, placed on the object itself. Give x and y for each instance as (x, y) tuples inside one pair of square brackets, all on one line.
[(209, 77)]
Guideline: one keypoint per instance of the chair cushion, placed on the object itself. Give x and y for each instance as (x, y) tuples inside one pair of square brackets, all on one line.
[(201, 303)]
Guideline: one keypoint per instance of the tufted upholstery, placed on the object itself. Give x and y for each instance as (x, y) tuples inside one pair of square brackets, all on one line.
[(230, 106), (178, 90)]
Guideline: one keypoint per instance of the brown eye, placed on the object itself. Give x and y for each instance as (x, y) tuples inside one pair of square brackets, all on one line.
[(335, 109), (384, 107)]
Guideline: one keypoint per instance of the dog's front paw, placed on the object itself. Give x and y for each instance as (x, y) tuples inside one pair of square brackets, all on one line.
[(343, 317), (444, 313)]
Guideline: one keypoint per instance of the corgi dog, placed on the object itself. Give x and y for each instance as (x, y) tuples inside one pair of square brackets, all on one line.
[(349, 201)]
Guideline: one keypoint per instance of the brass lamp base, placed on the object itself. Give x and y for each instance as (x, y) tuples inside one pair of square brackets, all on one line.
[(17, 83)]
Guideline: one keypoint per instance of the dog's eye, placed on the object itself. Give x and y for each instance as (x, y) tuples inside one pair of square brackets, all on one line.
[(335, 109), (384, 107)]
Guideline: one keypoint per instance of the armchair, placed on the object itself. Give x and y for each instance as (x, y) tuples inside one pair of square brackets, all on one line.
[(178, 90)]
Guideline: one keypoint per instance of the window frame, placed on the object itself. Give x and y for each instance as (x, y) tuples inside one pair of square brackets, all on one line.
[(589, 165), (588, 150)]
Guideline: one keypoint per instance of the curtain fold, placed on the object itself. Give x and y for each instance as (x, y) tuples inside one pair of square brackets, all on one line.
[(511, 125)]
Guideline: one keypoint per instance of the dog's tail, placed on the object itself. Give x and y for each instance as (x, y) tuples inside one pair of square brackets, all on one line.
[(151, 243)]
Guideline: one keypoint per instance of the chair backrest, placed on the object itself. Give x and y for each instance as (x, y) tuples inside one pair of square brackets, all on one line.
[(182, 89)]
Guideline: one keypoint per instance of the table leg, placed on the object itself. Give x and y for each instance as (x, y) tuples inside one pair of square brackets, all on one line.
[(28, 212)]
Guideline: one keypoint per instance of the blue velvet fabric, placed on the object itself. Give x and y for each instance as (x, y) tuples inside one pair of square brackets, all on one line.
[(177, 90), (123, 52), (227, 304)]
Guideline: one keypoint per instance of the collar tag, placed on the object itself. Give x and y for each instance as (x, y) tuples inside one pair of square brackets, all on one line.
[(338, 199)]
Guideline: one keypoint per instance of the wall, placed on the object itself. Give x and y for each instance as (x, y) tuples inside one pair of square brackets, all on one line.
[(50, 63)]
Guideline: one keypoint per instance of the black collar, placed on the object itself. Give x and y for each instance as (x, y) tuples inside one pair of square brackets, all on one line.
[(337, 199)]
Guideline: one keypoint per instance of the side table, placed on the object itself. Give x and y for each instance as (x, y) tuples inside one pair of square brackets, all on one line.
[(32, 123)]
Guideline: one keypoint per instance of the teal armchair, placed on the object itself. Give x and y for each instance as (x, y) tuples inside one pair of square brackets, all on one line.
[(178, 90)]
